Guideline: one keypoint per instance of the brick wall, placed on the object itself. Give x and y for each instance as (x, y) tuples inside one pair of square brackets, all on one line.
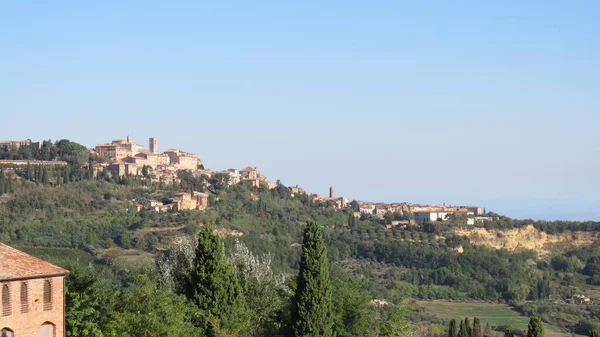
[(27, 324)]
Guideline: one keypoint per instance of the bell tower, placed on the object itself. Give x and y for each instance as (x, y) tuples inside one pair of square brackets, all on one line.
[(153, 145)]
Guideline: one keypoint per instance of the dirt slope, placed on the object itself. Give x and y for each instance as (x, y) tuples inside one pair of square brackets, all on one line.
[(526, 238)]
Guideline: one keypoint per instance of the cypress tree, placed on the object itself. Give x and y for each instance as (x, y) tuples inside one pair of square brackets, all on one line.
[(311, 308), (477, 327), (91, 170), (509, 333), (468, 327), (594, 333), (452, 331), (65, 175), (462, 330), (213, 285), (487, 330), (45, 176), (38, 173), (535, 327), (2, 182), (29, 172)]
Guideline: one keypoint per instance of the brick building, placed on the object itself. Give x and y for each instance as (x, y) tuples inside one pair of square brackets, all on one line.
[(183, 160), (186, 201), (32, 293)]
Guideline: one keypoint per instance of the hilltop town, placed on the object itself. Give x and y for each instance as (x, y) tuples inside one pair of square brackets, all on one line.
[(128, 206), (126, 158)]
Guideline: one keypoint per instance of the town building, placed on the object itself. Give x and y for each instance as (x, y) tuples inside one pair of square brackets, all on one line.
[(252, 175), (297, 190), (186, 201), (153, 145), (381, 209), (156, 206), (122, 169), (234, 176), (339, 203), (183, 160), (476, 210), (435, 213), (32, 291), (200, 173), (366, 208), (8, 144), (152, 159), (111, 152), (117, 149)]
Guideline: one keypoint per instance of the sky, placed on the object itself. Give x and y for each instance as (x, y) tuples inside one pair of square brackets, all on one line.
[(464, 102)]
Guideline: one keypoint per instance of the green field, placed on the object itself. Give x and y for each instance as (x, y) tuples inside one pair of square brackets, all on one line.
[(495, 314), (63, 257)]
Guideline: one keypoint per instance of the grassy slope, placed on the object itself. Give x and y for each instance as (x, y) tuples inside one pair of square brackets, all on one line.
[(59, 256), (495, 314)]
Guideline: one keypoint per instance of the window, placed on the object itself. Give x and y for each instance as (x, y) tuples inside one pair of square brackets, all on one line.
[(6, 310), (47, 330), (47, 295), (6, 332), (24, 298)]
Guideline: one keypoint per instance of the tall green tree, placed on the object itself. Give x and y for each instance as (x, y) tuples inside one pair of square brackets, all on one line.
[(452, 330), (2, 182), (214, 287), (488, 329), (462, 330), (509, 333), (351, 220), (311, 309), (477, 328), (594, 333), (468, 327), (29, 172), (45, 175), (535, 327)]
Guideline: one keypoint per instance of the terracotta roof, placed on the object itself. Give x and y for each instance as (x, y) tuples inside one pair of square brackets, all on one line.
[(248, 169), (15, 264)]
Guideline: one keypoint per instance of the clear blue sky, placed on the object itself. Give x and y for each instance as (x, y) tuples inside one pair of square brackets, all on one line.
[(492, 103)]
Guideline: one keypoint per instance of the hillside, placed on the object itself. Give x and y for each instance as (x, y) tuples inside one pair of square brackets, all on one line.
[(508, 261), (527, 238)]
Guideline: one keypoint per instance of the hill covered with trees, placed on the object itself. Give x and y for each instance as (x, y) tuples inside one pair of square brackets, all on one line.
[(138, 260)]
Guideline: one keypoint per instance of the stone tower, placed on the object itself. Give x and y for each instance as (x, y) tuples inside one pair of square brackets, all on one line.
[(331, 191), (153, 145)]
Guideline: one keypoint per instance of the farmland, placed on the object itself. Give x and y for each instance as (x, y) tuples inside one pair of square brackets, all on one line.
[(63, 257), (495, 314)]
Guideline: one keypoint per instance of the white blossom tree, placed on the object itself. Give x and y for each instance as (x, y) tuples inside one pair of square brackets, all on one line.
[(264, 290)]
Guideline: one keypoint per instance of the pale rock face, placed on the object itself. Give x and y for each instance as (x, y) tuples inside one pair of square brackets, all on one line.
[(527, 237)]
